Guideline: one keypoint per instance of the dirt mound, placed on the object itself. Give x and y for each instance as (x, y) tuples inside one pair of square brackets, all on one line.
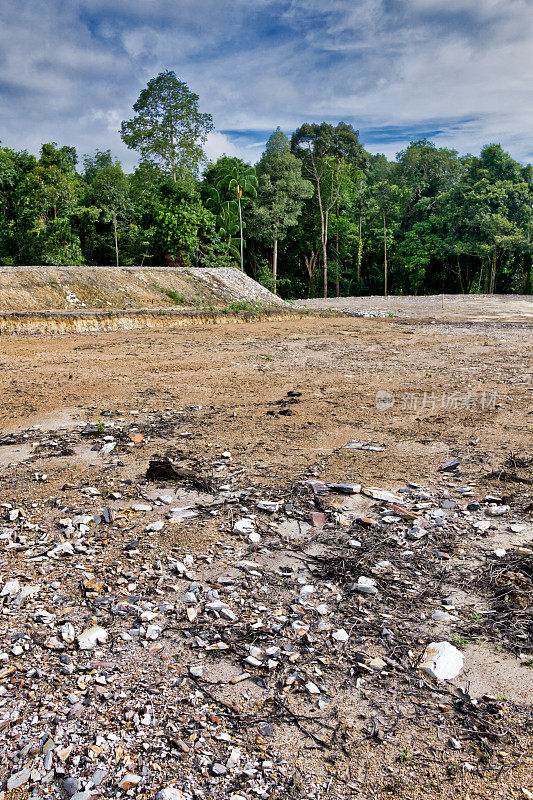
[(78, 288)]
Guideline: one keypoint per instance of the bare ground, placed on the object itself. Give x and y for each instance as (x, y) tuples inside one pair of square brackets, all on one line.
[(425, 392)]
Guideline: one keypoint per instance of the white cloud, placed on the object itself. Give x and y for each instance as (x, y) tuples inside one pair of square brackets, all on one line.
[(71, 72)]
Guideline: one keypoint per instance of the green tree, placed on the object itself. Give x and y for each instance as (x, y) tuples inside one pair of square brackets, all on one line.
[(238, 181), (108, 189), (168, 127), (329, 155), (281, 193), (185, 230)]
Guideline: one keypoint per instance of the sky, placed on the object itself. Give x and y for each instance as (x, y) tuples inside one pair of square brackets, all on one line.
[(459, 72)]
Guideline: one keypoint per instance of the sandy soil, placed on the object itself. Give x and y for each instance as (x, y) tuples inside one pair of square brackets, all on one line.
[(459, 308), (424, 392)]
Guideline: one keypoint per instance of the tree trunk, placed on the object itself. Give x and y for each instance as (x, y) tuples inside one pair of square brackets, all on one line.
[(310, 262), (325, 260), (359, 250), (275, 266), (385, 266), (116, 240), (240, 224), (337, 280), (492, 285), (460, 274)]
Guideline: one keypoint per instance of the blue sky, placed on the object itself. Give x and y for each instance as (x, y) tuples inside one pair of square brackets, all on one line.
[(456, 71)]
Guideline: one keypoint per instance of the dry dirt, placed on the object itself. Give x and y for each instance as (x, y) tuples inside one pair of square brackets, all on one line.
[(426, 392)]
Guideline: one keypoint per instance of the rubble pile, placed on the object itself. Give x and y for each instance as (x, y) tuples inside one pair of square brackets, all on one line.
[(175, 628)]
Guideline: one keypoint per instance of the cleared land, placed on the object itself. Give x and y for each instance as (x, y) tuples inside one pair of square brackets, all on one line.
[(376, 726), (457, 307)]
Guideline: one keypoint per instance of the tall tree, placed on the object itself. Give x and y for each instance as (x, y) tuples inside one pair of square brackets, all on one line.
[(108, 189), (329, 154), (281, 193), (168, 127), (238, 181)]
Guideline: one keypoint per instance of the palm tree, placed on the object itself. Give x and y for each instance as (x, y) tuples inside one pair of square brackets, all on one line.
[(238, 181)]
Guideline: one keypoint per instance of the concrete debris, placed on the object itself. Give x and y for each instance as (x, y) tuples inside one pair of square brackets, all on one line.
[(442, 661), (170, 632)]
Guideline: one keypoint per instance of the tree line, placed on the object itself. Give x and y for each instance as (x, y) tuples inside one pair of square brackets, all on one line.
[(317, 215)]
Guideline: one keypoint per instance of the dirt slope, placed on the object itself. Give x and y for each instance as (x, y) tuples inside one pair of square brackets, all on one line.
[(78, 288)]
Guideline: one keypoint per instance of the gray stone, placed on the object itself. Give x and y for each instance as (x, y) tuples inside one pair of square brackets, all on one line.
[(70, 786), (169, 793), (18, 779)]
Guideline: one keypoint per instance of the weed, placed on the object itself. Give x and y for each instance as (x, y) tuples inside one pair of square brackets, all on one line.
[(178, 298), (404, 756), (100, 427), (459, 641), (391, 314)]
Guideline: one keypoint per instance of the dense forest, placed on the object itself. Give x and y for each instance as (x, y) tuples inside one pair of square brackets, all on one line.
[(317, 215)]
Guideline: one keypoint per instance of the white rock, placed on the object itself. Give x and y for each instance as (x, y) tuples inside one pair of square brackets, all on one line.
[(497, 511), (153, 632), (500, 552), (442, 616), (107, 448), (366, 585), (244, 526), (268, 505), (19, 779), (340, 636), (68, 634), (234, 758), (28, 592), (169, 793), (442, 661), (254, 537), (91, 637), (158, 525), (10, 588), (312, 688)]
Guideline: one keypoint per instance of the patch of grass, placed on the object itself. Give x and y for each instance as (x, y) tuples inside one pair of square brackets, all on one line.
[(459, 641), (178, 298), (100, 427)]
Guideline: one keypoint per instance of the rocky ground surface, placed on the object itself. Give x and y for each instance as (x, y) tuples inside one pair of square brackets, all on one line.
[(290, 559), (458, 308)]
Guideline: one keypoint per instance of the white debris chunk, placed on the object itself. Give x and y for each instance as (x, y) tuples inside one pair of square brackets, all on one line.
[(442, 661)]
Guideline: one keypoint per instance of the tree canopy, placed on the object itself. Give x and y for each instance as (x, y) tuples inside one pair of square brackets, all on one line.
[(314, 212), (168, 127)]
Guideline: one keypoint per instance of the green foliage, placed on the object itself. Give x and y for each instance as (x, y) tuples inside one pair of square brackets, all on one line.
[(178, 298), (320, 207), (241, 306), (168, 128), (235, 181)]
